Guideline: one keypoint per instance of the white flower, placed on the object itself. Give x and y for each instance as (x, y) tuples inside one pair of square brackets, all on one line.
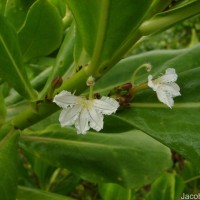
[(165, 87), (83, 113)]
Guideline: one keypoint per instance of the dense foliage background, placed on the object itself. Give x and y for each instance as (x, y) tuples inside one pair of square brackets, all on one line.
[(146, 150)]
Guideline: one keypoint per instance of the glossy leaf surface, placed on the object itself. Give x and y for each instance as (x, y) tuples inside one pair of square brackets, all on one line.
[(41, 32), (102, 157)]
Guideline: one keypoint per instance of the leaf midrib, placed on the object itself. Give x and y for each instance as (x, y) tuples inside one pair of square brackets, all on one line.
[(101, 33), (68, 142), (16, 67)]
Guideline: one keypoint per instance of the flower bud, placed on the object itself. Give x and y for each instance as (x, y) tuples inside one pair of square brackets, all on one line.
[(90, 81), (127, 86), (57, 82), (148, 67)]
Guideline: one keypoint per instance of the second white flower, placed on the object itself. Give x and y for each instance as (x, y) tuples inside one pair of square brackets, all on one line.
[(165, 87)]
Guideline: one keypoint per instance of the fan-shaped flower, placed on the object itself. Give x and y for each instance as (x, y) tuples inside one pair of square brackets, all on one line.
[(84, 113), (165, 86)]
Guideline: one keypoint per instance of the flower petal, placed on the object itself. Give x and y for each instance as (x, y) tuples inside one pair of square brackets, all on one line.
[(106, 105), (165, 98), (96, 119), (171, 88), (170, 76), (65, 99), (82, 122), (151, 83), (69, 115)]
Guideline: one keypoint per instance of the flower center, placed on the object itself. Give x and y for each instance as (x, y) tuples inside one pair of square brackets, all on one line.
[(84, 103)]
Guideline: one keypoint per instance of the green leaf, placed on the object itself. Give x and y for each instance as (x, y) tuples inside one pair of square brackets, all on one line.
[(188, 60), (12, 69), (166, 187), (8, 163), (131, 158), (107, 27), (110, 191), (41, 32), (34, 194), (15, 11)]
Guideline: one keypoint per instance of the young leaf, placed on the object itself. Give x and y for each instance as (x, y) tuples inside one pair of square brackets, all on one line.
[(8, 164), (41, 32), (12, 69), (131, 159)]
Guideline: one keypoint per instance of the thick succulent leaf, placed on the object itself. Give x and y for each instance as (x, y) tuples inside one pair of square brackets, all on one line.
[(105, 26), (8, 164), (25, 193), (41, 32), (111, 191), (12, 69), (131, 158)]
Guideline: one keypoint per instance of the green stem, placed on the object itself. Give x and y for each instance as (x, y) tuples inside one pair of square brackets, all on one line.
[(76, 83), (91, 92), (140, 87), (101, 32), (32, 115), (146, 66), (43, 109)]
